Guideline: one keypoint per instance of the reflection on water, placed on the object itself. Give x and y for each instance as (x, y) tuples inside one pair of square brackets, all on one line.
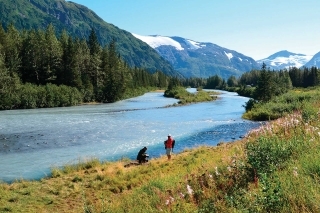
[(32, 141)]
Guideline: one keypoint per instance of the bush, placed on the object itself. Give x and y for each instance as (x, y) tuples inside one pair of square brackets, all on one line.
[(265, 155)]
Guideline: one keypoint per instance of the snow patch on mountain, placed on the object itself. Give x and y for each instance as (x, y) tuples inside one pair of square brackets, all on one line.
[(157, 41), (285, 59), (229, 55), (297, 61), (194, 45)]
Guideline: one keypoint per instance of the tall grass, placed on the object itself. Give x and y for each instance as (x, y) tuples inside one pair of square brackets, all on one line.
[(279, 106)]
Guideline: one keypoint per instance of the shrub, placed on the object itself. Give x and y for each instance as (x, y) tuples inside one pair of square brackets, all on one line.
[(267, 154)]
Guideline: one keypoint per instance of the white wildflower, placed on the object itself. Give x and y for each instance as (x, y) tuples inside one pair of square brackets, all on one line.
[(295, 171), (181, 195), (190, 191), (217, 172)]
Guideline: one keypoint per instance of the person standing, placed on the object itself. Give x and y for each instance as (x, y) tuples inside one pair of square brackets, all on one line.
[(169, 145)]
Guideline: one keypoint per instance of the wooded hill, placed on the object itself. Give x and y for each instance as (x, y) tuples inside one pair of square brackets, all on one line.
[(37, 69), (78, 21)]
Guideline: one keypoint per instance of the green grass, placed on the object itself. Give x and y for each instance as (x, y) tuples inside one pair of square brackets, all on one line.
[(186, 97), (302, 100)]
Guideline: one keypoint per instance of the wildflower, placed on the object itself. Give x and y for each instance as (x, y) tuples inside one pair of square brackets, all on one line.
[(210, 176), (217, 172), (295, 171), (229, 168), (167, 202), (170, 200), (181, 195), (190, 191)]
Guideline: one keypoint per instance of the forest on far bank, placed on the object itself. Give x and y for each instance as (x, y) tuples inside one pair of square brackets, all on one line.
[(39, 69)]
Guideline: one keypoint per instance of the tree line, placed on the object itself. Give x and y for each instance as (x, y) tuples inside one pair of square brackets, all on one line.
[(41, 69), (261, 84)]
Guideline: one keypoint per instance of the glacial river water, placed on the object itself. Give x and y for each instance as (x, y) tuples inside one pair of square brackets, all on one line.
[(33, 141)]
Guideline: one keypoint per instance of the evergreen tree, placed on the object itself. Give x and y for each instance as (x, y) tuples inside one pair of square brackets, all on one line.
[(314, 76), (32, 57), (95, 60), (232, 81), (114, 73), (9, 83), (52, 56), (296, 77), (214, 82), (70, 70), (264, 89), (250, 78), (12, 46)]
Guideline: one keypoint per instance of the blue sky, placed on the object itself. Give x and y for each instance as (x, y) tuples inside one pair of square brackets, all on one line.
[(255, 28)]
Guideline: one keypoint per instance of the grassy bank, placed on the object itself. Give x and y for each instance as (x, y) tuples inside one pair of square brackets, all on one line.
[(275, 168), (186, 97), (303, 100)]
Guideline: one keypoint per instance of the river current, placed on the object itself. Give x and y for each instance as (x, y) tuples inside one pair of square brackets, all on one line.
[(35, 140)]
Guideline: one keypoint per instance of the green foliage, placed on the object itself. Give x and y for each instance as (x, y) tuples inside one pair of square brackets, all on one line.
[(268, 154), (232, 81), (185, 97), (309, 112), (250, 104), (30, 96), (265, 85), (282, 105), (215, 82), (44, 60), (246, 91)]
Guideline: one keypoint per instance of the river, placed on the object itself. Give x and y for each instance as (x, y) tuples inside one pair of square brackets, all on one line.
[(35, 140)]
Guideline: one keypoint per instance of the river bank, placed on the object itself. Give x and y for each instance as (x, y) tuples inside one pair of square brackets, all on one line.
[(188, 181)]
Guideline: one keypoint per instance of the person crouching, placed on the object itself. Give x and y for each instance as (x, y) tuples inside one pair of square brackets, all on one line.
[(142, 156)]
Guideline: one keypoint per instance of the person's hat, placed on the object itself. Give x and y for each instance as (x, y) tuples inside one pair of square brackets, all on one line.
[(169, 135)]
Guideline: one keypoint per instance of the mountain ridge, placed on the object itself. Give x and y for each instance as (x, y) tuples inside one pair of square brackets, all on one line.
[(314, 62), (199, 59), (284, 59)]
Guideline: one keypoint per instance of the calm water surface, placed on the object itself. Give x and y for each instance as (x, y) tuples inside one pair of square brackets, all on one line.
[(33, 141)]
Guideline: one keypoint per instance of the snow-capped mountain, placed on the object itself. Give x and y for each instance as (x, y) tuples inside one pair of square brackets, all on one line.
[(199, 59), (284, 59), (314, 62)]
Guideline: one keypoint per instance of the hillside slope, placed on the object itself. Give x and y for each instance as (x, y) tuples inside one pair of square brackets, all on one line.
[(78, 21)]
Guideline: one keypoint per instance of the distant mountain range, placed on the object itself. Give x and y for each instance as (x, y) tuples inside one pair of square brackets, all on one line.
[(199, 59), (175, 56), (314, 62), (285, 59)]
